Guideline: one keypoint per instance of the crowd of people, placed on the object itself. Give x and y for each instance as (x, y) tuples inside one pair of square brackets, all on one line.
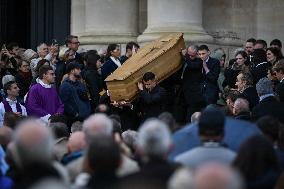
[(215, 123)]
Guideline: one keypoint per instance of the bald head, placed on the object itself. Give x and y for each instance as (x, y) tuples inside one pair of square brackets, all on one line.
[(97, 124), (240, 105), (76, 142), (217, 176)]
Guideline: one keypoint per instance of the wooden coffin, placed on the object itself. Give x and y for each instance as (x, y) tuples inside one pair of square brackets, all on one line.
[(162, 57)]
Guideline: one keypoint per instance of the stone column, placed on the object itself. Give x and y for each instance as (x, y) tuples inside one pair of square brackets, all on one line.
[(166, 16), (110, 21)]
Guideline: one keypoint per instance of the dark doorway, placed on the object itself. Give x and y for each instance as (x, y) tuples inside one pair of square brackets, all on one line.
[(31, 22)]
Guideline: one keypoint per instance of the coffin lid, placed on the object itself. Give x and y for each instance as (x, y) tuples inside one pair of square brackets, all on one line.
[(144, 56)]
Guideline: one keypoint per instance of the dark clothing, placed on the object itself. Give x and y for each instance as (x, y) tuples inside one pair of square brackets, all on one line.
[(279, 90), (108, 67), (152, 175), (75, 99), (244, 116), (24, 81), (191, 79), (102, 181), (260, 71), (152, 103), (251, 96), (95, 85), (59, 72), (123, 59), (265, 181), (210, 86), (269, 106)]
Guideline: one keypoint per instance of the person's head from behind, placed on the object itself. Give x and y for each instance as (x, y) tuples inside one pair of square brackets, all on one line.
[(241, 105), (97, 124), (149, 81), (76, 142), (76, 126), (278, 69), (276, 43), (231, 97), (269, 127), (33, 142), (11, 119), (258, 56), (7, 78), (182, 178), (250, 45), (129, 137), (93, 60), (113, 50), (211, 125), (260, 44), (41, 63), (154, 139), (46, 74), (11, 89), (217, 176), (59, 130), (168, 119), (256, 156), (72, 42), (203, 52), (103, 108), (264, 87), (103, 156), (130, 47)]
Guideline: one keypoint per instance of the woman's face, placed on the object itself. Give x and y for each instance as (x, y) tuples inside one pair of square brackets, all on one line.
[(270, 56), (116, 52), (25, 67), (240, 83), (240, 59)]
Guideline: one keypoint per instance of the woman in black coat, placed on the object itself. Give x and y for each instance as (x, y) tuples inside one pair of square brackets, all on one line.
[(24, 78)]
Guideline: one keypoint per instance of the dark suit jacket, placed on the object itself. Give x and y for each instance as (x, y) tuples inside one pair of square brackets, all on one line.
[(269, 106), (152, 103), (259, 71), (210, 85), (279, 90), (108, 67), (251, 95)]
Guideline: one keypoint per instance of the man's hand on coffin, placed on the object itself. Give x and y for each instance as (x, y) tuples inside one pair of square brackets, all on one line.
[(140, 86)]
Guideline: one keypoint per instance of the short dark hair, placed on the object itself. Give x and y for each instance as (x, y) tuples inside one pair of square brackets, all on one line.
[(276, 42), (211, 122), (11, 119), (203, 47), (269, 127), (130, 45), (57, 118), (110, 48), (251, 40), (69, 39), (11, 45), (43, 70), (8, 85), (91, 58), (148, 76), (276, 52), (40, 64), (262, 42), (59, 129), (103, 155)]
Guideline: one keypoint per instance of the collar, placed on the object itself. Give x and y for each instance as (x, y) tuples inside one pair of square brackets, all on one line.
[(47, 86), (116, 61), (265, 96), (211, 144), (282, 80), (11, 101), (207, 59)]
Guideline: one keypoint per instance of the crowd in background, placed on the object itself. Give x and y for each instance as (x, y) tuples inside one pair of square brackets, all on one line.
[(215, 123)]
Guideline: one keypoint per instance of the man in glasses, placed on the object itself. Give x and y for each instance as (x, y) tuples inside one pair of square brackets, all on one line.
[(72, 42)]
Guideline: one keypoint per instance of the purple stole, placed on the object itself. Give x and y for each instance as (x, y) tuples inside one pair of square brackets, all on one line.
[(8, 108)]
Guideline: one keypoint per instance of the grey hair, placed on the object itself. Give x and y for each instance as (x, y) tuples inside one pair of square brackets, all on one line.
[(154, 138), (129, 137), (194, 47), (39, 46), (97, 124), (7, 78), (33, 142), (241, 105), (264, 86), (182, 178)]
